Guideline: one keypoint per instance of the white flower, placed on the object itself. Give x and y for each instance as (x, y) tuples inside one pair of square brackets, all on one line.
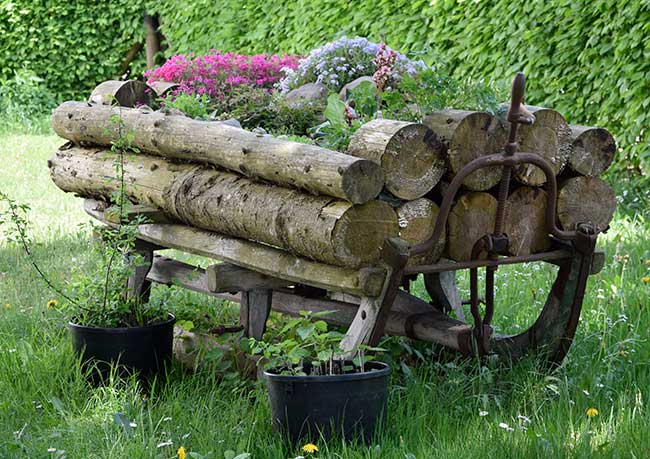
[(51, 450), (524, 419), (164, 444), (483, 413), (506, 427)]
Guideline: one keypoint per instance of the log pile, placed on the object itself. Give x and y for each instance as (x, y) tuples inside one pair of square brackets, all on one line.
[(326, 205)]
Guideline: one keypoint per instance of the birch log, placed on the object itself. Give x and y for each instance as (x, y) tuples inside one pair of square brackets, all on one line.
[(309, 167), (125, 93), (467, 136), (471, 218), (410, 154), (585, 200), (592, 150), (325, 229), (549, 137), (525, 222)]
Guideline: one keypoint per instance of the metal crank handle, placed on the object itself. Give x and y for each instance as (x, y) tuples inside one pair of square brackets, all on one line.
[(518, 112)]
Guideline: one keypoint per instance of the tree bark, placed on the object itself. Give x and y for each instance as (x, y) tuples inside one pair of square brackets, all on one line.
[(471, 218), (325, 229), (525, 222), (163, 88), (125, 93), (592, 150), (410, 154), (151, 25), (585, 200), (309, 167), (549, 137), (467, 136), (416, 220)]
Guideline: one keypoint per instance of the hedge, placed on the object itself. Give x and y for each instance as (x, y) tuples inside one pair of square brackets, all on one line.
[(71, 45), (590, 59)]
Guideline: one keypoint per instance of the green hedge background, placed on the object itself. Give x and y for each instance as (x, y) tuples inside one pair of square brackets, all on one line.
[(590, 59)]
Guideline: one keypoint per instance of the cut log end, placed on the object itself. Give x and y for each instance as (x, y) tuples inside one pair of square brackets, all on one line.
[(525, 222), (592, 151), (362, 181), (471, 218), (416, 221), (411, 155), (468, 136), (585, 200)]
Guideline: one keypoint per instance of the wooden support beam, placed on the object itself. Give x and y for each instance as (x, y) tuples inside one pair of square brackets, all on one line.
[(255, 306), (226, 277), (141, 259)]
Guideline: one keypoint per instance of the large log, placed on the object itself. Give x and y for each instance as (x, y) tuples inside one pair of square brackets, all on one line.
[(410, 154), (416, 221), (330, 230), (525, 222), (470, 218), (585, 200), (469, 135), (549, 137), (309, 167), (592, 150)]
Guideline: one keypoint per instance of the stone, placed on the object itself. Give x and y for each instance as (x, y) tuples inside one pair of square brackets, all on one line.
[(343, 94), (311, 92)]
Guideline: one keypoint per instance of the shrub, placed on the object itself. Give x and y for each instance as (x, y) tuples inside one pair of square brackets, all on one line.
[(24, 102), (337, 63)]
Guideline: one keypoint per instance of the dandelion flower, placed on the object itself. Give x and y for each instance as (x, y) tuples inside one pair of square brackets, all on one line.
[(181, 452), (592, 412), (7, 306), (52, 304), (645, 279), (310, 448)]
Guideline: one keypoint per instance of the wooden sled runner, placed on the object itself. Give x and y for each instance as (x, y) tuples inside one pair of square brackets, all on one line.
[(372, 301)]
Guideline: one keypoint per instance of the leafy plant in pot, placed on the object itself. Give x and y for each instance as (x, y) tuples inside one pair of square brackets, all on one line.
[(314, 392), (107, 325)]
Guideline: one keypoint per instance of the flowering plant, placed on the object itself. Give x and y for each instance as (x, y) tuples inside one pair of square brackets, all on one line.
[(217, 73), (339, 62)]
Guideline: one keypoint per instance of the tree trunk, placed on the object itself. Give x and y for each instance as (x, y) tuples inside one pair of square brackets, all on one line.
[(325, 229), (411, 155), (471, 218), (592, 150), (549, 137), (125, 93), (151, 25), (585, 200), (416, 220), (309, 167), (525, 222), (469, 135)]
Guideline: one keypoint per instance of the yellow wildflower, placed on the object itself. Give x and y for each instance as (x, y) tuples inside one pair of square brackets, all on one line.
[(52, 304), (645, 279), (7, 306), (181, 452), (647, 262), (310, 448), (592, 412)]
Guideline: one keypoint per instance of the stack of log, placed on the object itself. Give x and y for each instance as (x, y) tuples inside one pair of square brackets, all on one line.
[(337, 208)]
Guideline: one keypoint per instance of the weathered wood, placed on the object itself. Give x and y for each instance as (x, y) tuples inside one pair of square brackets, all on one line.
[(525, 222), (444, 293), (592, 150), (325, 229), (410, 154), (467, 136), (257, 257), (470, 218), (416, 220), (128, 93), (168, 271), (163, 88), (255, 306), (549, 137), (132, 211), (225, 277), (284, 162), (585, 200), (141, 259)]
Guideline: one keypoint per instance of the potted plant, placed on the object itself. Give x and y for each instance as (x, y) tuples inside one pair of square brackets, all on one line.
[(314, 392), (107, 326)]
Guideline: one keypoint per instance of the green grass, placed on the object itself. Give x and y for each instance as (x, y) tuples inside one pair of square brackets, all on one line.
[(433, 411)]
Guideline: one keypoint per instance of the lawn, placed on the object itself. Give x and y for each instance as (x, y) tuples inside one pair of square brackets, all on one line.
[(443, 407)]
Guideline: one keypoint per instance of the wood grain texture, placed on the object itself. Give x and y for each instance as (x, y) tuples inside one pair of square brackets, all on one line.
[(592, 150), (585, 200), (410, 154), (470, 218), (525, 222)]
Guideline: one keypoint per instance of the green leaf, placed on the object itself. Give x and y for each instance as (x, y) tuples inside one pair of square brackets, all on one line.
[(305, 331), (335, 111)]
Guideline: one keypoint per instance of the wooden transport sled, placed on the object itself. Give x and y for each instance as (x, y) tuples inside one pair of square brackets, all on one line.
[(374, 301)]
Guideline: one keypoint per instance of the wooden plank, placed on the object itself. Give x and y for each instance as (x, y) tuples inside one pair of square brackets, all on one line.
[(138, 285), (257, 257), (167, 271), (255, 306), (150, 214), (226, 277)]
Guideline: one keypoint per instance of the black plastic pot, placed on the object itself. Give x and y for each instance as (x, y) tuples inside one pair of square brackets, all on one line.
[(143, 350), (349, 405)]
